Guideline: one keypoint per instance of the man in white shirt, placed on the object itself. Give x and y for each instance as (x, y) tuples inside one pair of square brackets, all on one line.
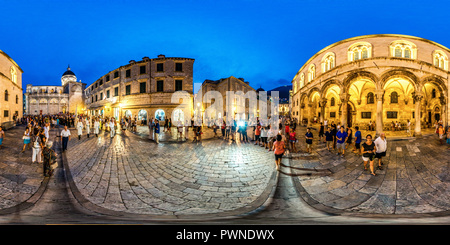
[(65, 137), (381, 146)]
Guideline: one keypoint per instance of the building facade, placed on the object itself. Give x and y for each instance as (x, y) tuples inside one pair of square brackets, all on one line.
[(11, 92), (144, 89), (67, 98), (210, 105), (381, 78)]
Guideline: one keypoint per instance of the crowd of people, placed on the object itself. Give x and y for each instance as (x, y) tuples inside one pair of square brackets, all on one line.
[(336, 138)]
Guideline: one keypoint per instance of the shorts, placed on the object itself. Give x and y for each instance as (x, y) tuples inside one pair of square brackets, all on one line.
[(329, 143), (278, 156), (1, 141), (340, 146), (256, 137), (349, 140), (308, 146), (380, 154), (358, 145), (370, 158), (264, 139)]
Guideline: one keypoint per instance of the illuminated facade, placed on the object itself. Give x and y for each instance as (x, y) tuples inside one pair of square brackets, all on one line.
[(144, 89), (379, 78), (235, 108), (68, 98), (11, 93)]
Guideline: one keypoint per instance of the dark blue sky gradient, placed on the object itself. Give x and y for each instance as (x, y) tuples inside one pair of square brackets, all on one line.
[(265, 42)]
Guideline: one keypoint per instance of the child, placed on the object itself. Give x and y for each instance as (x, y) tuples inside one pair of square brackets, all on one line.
[(292, 140), (278, 148)]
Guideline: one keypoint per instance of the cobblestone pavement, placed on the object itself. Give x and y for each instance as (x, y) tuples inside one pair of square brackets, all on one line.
[(414, 179), (134, 178), (134, 175), (20, 179)]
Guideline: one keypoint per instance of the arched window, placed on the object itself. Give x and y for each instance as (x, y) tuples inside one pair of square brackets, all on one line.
[(332, 101), (433, 93), (359, 50), (440, 59), (302, 79), (6, 95), (328, 62), (370, 98), (13, 74), (394, 97), (403, 49), (311, 72)]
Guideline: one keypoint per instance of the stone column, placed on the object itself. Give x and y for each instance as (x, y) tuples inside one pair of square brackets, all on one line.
[(417, 97), (379, 116), (344, 100), (309, 116), (443, 110), (323, 103)]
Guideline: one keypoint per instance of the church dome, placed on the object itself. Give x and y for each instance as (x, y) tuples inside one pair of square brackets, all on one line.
[(68, 72), (68, 76)]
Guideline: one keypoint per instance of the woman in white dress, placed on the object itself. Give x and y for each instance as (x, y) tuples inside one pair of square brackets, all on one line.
[(96, 127), (88, 126), (112, 127), (80, 129)]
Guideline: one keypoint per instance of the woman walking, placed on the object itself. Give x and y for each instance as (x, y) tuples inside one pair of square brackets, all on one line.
[(96, 127), (79, 129), (368, 151), (26, 139), (279, 148)]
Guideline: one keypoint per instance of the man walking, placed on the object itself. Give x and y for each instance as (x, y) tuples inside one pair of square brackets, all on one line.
[(381, 146), (157, 131), (65, 137), (341, 137)]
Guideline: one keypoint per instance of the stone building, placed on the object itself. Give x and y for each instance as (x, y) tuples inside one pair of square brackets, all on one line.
[(209, 104), (11, 99), (144, 89), (68, 98), (380, 78)]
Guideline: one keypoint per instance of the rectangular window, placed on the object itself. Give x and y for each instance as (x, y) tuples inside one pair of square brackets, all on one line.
[(128, 73), (96, 85), (116, 74), (107, 78), (6, 113), (178, 66), (333, 114), (178, 85), (160, 67), (101, 96), (160, 86), (142, 87), (142, 70), (107, 94), (96, 98), (116, 91), (100, 82), (128, 90), (92, 99), (366, 115), (391, 114)]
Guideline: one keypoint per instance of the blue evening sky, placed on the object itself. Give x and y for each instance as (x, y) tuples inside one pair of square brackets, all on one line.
[(265, 42)]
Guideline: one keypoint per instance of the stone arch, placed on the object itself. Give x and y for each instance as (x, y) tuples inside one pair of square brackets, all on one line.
[(311, 91), (327, 84), (436, 80), (359, 74), (403, 73)]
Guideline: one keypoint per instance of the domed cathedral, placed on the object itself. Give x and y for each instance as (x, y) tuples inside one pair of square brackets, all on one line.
[(68, 98), (380, 79)]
